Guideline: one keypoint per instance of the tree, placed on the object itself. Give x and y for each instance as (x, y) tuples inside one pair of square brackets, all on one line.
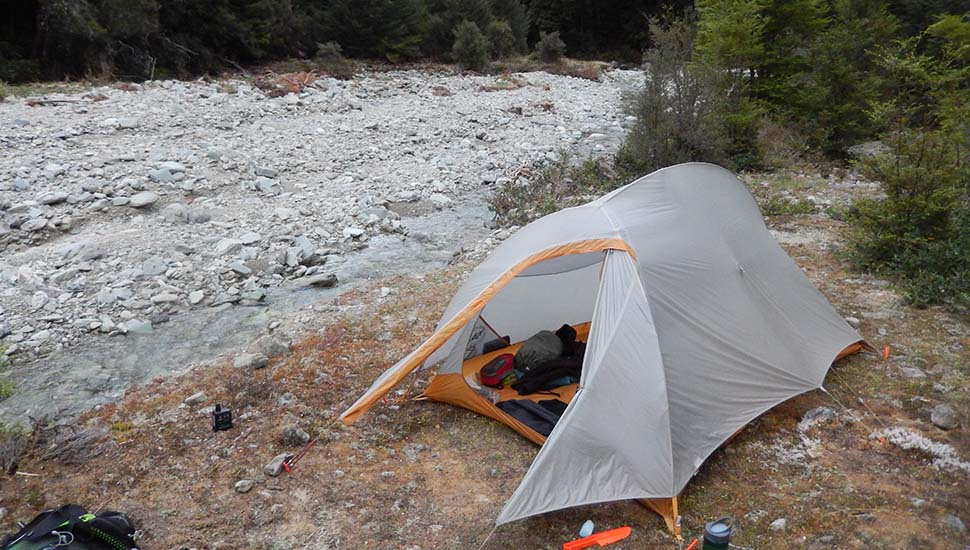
[(729, 34), (513, 13), (550, 48), (470, 49), (501, 39)]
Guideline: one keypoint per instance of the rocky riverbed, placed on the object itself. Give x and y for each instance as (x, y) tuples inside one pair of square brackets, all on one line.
[(145, 228)]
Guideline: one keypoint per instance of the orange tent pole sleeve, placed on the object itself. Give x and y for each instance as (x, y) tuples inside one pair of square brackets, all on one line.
[(461, 318)]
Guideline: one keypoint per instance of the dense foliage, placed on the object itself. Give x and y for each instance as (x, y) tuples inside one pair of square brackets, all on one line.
[(137, 39), (751, 78)]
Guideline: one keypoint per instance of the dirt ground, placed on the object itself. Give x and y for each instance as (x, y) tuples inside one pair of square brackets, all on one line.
[(423, 475)]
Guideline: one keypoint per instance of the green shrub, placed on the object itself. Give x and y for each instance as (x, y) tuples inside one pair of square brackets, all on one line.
[(920, 231), (330, 59), (501, 39), (550, 48), (470, 50)]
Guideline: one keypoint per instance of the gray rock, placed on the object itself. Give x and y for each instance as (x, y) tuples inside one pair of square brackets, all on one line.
[(241, 269), (778, 525), (250, 237), (244, 485), (250, 361), (33, 224), (120, 201), (161, 175), (270, 346), (275, 466), (228, 246), (266, 172), (944, 417), (912, 372), (816, 416), (854, 322), (196, 399), (268, 186), (3, 513), (326, 280), (294, 435), (196, 296), (154, 265), (172, 166), (136, 326), (175, 213), (439, 200), (53, 197), (128, 123), (868, 149), (954, 523), (164, 298), (143, 199), (353, 232)]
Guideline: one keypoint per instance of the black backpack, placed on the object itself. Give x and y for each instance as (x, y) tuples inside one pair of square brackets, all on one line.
[(71, 527)]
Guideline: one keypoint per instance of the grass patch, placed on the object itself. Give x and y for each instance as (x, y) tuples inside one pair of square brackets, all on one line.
[(7, 388), (541, 190), (589, 70), (14, 441)]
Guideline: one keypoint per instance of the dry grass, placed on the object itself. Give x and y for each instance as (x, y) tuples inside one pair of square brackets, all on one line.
[(589, 70)]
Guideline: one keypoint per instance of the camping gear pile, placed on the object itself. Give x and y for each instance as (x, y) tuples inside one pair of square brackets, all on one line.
[(695, 321)]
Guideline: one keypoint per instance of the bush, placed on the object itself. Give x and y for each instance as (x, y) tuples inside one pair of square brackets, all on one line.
[(501, 39), (470, 50), (920, 232), (550, 48), (677, 109), (330, 59), (14, 441)]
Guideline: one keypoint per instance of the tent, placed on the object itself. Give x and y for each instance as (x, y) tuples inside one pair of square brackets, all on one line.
[(696, 323)]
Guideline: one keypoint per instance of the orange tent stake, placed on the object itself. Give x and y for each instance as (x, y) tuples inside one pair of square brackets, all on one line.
[(598, 539), (885, 353)]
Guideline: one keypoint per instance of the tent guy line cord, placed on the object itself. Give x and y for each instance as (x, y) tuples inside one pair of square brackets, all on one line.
[(490, 533), (846, 409), (860, 400)]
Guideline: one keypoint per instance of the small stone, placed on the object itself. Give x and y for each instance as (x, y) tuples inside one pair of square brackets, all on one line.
[(196, 399), (172, 166), (944, 417), (327, 280), (196, 296), (120, 201), (249, 238), (912, 372), (143, 199), (275, 466), (34, 224), (53, 197), (954, 523), (854, 322), (244, 485), (154, 265), (228, 246), (136, 326), (250, 361), (164, 298), (778, 525), (240, 268), (439, 200), (270, 346), (161, 175), (266, 172), (294, 435), (918, 502), (353, 232), (387, 475), (3, 513)]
